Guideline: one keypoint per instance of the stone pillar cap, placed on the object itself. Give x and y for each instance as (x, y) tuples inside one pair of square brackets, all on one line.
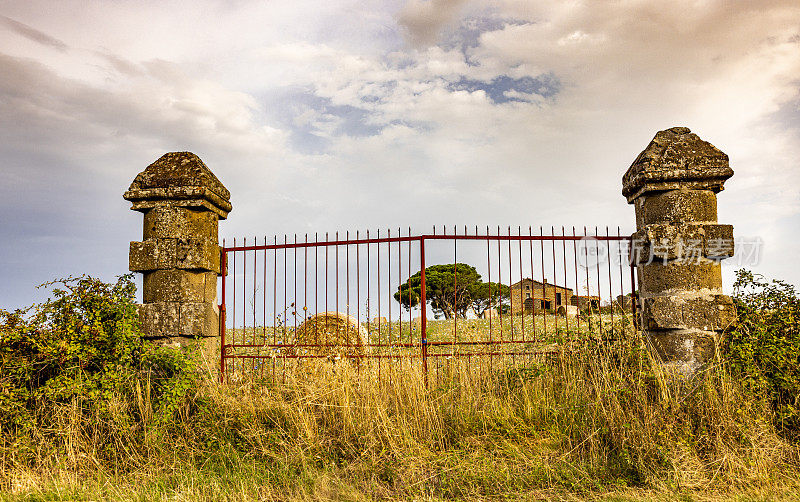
[(181, 179), (676, 158)]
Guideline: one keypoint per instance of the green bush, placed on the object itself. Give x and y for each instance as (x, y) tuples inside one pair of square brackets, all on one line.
[(84, 345), (764, 349)]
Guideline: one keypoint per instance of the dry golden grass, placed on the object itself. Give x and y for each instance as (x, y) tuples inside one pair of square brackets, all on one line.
[(595, 423)]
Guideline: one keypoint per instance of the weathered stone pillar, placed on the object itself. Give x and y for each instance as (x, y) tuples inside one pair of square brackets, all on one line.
[(678, 247), (179, 255)]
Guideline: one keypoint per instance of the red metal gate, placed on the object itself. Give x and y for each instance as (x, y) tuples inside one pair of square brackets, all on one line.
[(272, 293)]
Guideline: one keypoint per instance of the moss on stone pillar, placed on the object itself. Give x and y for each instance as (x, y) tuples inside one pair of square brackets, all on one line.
[(678, 246), (182, 202)]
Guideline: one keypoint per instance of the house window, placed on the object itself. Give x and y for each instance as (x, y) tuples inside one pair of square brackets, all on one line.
[(527, 295), (547, 305), (528, 287), (558, 298)]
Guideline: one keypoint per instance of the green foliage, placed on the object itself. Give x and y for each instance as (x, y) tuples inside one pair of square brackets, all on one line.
[(83, 345), (451, 290), (764, 349), (486, 295)]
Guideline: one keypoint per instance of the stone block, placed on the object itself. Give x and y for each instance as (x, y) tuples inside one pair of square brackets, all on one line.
[(152, 254), (684, 242), (676, 158), (197, 204), (684, 351), (175, 286), (176, 170), (199, 319), (198, 254), (159, 319), (174, 222), (689, 310), (676, 206), (719, 242), (674, 277), (210, 294)]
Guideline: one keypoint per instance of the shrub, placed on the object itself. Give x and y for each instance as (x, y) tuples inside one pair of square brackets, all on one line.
[(83, 345), (764, 349)]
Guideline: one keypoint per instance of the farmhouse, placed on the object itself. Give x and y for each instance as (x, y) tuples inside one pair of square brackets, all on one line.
[(535, 296), (586, 302)]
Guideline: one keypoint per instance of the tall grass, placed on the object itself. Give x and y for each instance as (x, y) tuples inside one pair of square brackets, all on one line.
[(580, 423)]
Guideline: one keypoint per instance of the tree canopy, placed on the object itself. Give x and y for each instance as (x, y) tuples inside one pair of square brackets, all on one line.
[(451, 290)]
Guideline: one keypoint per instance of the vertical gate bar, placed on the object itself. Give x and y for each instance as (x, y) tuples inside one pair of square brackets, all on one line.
[(254, 360), (455, 287), (224, 269), (264, 309), (294, 298), (577, 284), (233, 327), (410, 320), (566, 304), (544, 284), (358, 304), (521, 279), (255, 290), (439, 363), (378, 288), (336, 282), (510, 278), (274, 300), (424, 323), (389, 285), (533, 287), (469, 368), (305, 278), (634, 297), (597, 269), (400, 304), (500, 282), (621, 286), (368, 281), (399, 285), (347, 271), (358, 282), (491, 292), (586, 264), (316, 287), (610, 289), (285, 289), (555, 276), (327, 290), (244, 296), (264, 306)]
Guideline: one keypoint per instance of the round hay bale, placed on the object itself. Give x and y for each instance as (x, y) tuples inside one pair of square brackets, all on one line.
[(567, 310), (343, 333)]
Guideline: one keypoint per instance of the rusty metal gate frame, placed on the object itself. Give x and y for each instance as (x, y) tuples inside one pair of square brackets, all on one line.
[(226, 347)]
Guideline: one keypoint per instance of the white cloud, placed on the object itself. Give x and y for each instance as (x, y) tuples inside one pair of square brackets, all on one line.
[(317, 116), (424, 19)]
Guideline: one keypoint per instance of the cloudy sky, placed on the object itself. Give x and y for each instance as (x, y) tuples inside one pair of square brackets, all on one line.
[(322, 116)]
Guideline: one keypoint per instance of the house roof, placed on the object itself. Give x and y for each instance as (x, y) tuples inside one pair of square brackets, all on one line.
[(533, 281)]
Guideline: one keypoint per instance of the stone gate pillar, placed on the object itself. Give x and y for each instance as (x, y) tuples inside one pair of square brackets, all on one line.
[(179, 255), (678, 247)]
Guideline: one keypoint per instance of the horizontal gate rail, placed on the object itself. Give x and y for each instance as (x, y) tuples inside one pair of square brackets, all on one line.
[(426, 237), (277, 297)]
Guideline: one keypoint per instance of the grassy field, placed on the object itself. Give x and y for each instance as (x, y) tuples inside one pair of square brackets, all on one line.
[(391, 341), (587, 421)]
